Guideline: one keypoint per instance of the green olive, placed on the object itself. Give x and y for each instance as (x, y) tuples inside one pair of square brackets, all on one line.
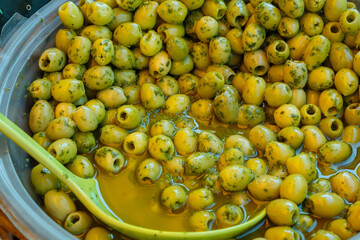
[(176, 165), (199, 162), (128, 116), (81, 166), (281, 233), (346, 184), (58, 204), (235, 177), (109, 159), (323, 234), (326, 205), (200, 199), (85, 141), (231, 156), (148, 171), (295, 188), (161, 147), (292, 136), (78, 222), (174, 197), (163, 127), (265, 188), (353, 216), (335, 151), (112, 135), (42, 139), (43, 180), (257, 165), (136, 143), (341, 227), (98, 233), (201, 220), (305, 222), (283, 212), (64, 150), (320, 185), (229, 215)]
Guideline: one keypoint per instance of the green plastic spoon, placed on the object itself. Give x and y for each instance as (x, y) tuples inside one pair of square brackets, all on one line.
[(88, 192)]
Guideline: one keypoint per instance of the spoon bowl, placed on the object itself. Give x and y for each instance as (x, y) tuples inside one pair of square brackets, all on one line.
[(88, 192)]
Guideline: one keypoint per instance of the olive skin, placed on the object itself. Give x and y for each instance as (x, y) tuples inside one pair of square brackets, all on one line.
[(281, 233), (341, 227), (326, 205), (98, 233), (229, 215), (261, 136), (185, 141), (85, 142), (81, 167), (265, 188), (292, 136), (112, 135), (302, 164), (161, 147), (174, 197), (278, 153), (257, 165), (353, 216), (199, 162), (109, 159), (305, 222), (320, 185), (346, 184), (200, 199), (242, 143), (335, 151), (43, 180), (323, 234), (201, 220), (283, 212), (230, 156), (78, 222), (294, 188), (235, 177), (58, 204), (148, 171)]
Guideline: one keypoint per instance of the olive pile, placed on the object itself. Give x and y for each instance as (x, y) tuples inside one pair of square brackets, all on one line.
[(256, 101)]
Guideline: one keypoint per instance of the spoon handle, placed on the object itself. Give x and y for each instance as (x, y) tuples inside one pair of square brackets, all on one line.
[(22, 139)]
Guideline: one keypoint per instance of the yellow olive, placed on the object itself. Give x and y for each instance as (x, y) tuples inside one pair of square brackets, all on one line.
[(323, 234), (302, 164), (335, 151), (283, 212), (341, 227), (295, 188), (326, 205), (281, 233), (265, 188), (235, 177), (353, 216), (346, 184), (305, 222), (58, 204), (229, 215)]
